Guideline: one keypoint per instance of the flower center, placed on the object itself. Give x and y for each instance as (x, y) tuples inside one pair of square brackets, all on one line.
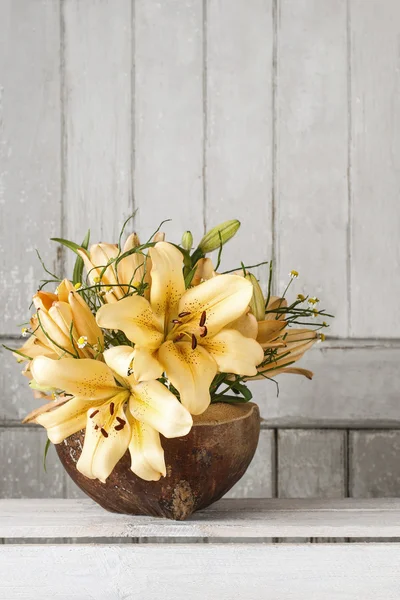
[(185, 327)]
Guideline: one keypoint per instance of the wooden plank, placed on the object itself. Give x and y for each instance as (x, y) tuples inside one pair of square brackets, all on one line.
[(352, 387), (248, 518), (374, 466), (259, 479), (168, 116), (311, 463), (375, 164), (23, 474), (29, 151), (97, 39), (17, 398), (311, 161), (368, 571), (239, 126)]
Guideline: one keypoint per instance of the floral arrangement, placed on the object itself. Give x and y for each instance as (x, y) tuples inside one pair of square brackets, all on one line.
[(149, 337)]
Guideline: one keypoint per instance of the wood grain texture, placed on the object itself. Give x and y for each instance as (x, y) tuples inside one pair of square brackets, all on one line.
[(259, 479), (16, 397), (231, 518), (311, 161), (353, 386), (29, 151), (239, 126), (97, 141), (22, 473), (168, 174), (375, 160), (368, 571), (374, 464), (311, 464)]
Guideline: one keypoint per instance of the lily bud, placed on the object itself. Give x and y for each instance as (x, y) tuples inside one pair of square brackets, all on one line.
[(219, 234), (187, 240), (257, 302)]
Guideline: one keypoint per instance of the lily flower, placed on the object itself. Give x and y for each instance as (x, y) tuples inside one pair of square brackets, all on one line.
[(118, 412), (115, 280), (63, 325), (186, 333)]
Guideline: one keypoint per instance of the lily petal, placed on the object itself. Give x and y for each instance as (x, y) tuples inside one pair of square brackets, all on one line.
[(224, 299), (167, 283), (84, 320), (119, 359), (143, 363), (132, 315), (234, 353), (152, 403), (54, 334), (64, 420), (104, 445), (146, 366), (190, 372), (147, 454), (269, 330), (85, 378), (247, 325)]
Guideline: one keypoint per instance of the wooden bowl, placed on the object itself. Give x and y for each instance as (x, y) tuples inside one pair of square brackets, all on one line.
[(201, 466)]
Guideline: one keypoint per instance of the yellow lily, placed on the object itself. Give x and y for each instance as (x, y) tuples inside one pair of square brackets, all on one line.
[(115, 281), (289, 345), (184, 333), (119, 413), (51, 326)]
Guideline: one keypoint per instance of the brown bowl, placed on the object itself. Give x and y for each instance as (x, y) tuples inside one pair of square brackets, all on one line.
[(201, 466)]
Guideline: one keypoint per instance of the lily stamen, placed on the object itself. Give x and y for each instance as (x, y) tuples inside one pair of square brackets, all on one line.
[(202, 318), (104, 432), (93, 414), (112, 408), (194, 342), (184, 314), (176, 322), (204, 332)]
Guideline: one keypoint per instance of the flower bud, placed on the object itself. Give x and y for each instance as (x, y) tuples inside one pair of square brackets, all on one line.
[(257, 302), (187, 240), (220, 234)]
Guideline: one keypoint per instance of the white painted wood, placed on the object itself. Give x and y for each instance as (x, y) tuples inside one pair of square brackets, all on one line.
[(248, 572), (352, 387), (168, 108), (29, 151), (311, 463), (311, 161), (374, 464), (16, 396), (97, 145), (255, 518), (239, 126), (259, 479), (22, 473), (375, 165)]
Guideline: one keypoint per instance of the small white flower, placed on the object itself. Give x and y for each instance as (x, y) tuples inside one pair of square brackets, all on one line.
[(293, 274), (24, 332), (82, 341)]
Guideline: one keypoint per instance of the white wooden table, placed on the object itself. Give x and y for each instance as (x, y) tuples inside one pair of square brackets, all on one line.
[(236, 561)]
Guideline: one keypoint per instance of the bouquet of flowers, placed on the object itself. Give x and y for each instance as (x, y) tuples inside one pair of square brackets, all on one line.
[(151, 335)]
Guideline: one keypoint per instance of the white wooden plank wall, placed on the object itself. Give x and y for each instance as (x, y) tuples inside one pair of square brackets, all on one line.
[(282, 113)]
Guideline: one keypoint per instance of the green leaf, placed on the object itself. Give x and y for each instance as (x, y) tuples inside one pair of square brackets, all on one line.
[(46, 449), (78, 267), (71, 245), (244, 390), (229, 399), (189, 276)]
